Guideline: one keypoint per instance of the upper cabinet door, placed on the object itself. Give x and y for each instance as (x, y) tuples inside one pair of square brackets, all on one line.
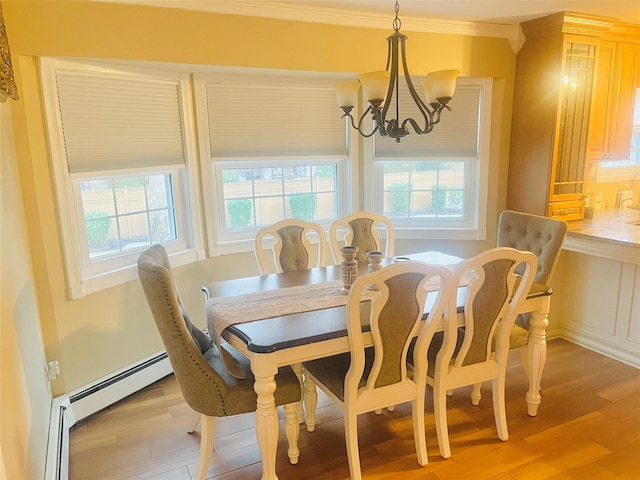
[(618, 77), (574, 107)]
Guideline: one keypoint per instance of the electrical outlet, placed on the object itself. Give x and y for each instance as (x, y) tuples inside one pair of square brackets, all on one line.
[(53, 370)]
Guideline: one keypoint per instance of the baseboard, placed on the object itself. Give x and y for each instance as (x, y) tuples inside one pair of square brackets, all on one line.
[(85, 401), (108, 390), (57, 462), (608, 350)]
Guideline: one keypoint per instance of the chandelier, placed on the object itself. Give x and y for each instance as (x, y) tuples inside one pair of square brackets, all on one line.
[(381, 92)]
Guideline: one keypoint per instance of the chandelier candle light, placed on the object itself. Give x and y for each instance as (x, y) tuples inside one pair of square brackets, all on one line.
[(381, 91)]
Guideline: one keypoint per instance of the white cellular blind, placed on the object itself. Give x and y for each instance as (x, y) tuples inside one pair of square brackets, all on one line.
[(293, 118), (456, 135), (112, 122)]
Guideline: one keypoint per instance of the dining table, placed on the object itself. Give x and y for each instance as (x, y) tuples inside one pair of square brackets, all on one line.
[(298, 330)]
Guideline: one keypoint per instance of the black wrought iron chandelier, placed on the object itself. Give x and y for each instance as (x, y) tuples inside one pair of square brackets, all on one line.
[(381, 92)]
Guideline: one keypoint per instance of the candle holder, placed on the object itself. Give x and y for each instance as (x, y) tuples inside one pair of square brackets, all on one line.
[(375, 264), (349, 267)]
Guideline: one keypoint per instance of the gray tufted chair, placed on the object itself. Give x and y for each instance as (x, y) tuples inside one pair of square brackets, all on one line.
[(541, 235), (292, 247), (204, 382), (361, 230), (544, 237)]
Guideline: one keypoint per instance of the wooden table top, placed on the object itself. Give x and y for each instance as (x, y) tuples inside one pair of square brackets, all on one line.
[(272, 334)]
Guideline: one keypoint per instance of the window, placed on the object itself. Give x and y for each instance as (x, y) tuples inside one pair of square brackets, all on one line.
[(435, 185), (122, 143), (277, 150), (270, 192)]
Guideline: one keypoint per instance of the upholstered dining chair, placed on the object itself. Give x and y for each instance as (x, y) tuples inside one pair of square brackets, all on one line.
[(543, 236), (204, 382), (292, 247), (498, 283), (366, 379), (360, 229), (291, 252)]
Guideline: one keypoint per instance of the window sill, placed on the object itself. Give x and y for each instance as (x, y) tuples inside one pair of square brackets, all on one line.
[(440, 233), (125, 274)]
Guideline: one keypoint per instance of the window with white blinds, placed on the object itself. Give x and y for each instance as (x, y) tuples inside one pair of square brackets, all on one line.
[(274, 117), (455, 136), (277, 148), (435, 185), (114, 122), (121, 140)]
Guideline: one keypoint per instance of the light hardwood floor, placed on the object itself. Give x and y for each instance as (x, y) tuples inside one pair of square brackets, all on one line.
[(588, 427)]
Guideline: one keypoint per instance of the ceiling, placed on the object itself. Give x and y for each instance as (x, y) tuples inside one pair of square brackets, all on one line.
[(503, 12), (486, 11)]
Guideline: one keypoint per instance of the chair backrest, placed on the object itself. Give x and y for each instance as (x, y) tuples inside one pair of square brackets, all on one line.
[(292, 248), (495, 295), (541, 235), (184, 342), (395, 320), (361, 231)]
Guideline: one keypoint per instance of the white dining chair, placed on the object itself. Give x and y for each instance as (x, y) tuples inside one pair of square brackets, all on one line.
[(367, 379), (498, 281), (361, 229), (291, 246)]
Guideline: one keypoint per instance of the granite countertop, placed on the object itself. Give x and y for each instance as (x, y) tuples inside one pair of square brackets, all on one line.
[(610, 226)]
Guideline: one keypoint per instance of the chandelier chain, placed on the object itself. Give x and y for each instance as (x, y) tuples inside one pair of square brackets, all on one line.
[(396, 21)]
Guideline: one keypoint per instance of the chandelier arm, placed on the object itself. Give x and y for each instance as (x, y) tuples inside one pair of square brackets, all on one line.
[(420, 131), (350, 119), (359, 127), (425, 111), (392, 57)]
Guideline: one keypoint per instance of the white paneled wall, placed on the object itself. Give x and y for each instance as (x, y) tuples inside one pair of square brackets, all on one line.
[(600, 306)]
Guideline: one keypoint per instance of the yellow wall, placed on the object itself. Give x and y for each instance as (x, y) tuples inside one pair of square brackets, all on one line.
[(102, 332), (25, 400)]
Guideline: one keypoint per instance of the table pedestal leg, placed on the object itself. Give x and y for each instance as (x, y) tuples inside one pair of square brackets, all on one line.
[(267, 425), (534, 355)]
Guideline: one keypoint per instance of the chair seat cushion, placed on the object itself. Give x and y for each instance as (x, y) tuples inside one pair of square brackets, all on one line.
[(518, 336), (331, 371), (241, 397)]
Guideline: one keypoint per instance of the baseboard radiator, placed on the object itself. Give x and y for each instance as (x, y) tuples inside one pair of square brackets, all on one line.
[(57, 462), (83, 402)]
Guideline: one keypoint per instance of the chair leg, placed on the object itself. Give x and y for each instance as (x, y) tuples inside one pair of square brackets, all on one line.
[(194, 422), (524, 356), (310, 402), (292, 430), (419, 435), (440, 414), (499, 409), (207, 434), (351, 437), (297, 369), (475, 394)]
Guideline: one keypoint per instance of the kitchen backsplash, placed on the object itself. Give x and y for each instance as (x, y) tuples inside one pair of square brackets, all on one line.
[(607, 193)]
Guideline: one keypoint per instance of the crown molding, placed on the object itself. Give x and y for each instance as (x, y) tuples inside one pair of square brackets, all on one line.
[(333, 16)]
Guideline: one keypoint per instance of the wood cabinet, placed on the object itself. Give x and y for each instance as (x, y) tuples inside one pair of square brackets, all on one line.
[(555, 74), (617, 80)]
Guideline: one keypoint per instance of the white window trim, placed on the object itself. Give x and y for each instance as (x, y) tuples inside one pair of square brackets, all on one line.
[(478, 231), (625, 173), (217, 244), (79, 283)]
